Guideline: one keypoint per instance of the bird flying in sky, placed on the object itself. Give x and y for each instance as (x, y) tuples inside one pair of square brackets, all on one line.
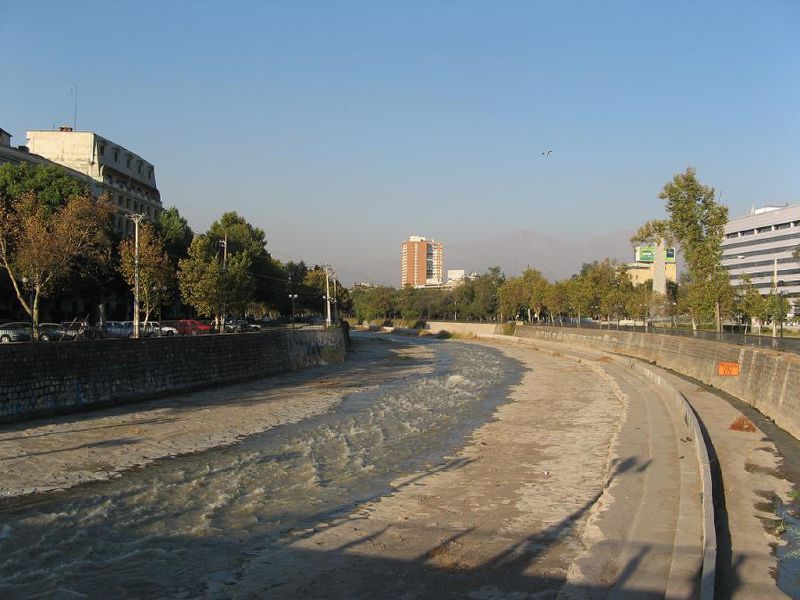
[(546, 153)]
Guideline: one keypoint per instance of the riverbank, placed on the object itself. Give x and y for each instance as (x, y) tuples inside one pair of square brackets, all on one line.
[(61, 452)]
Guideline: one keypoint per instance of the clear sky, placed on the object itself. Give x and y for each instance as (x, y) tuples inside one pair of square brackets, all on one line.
[(340, 128)]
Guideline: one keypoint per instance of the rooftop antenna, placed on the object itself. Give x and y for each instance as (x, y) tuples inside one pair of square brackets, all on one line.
[(74, 90)]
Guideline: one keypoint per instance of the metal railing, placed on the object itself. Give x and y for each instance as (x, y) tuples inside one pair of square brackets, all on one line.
[(739, 338)]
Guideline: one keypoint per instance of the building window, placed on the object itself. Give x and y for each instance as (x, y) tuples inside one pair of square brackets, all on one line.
[(783, 226), (102, 149), (150, 173), (116, 155), (765, 229), (128, 162)]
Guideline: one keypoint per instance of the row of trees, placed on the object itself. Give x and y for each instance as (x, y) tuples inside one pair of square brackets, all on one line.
[(603, 289), (56, 238)]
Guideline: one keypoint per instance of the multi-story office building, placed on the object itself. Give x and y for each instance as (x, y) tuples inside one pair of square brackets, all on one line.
[(761, 243), (127, 178), (421, 262), (644, 265)]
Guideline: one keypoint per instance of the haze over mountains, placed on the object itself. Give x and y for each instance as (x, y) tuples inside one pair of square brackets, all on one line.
[(556, 258)]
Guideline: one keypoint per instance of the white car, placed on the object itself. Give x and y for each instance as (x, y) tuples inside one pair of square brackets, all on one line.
[(163, 329)]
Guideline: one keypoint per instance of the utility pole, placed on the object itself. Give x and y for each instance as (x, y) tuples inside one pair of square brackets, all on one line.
[(775, 294), (335, 307), (224, 244), (136, 218), (327, 296)]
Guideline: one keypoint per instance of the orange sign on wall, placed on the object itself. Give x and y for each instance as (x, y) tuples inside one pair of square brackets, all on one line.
[(729, 369)]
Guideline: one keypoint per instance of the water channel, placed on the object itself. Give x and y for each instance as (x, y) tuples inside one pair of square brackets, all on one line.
[(181, 525)]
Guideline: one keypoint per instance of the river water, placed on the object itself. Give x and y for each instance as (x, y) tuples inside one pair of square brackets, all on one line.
[(181, 527)]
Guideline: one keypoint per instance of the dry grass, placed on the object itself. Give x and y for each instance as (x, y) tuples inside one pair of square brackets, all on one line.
[(557, 354), (742, 423), (604, 359)]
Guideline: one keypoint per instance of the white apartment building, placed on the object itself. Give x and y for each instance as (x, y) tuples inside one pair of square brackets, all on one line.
[(760, 242), (126, 177)]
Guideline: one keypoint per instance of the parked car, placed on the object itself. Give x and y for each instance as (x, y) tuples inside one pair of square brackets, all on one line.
[(164, 329), (118, 329), (192, 327), (53, 332), (240, 326), (15, 332)]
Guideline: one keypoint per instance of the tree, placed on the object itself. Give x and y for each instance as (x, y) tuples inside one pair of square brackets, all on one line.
[(241, 236), (751, 303), (175, 231), (40, 245), (50, 184), (211, 287), (156, 274), (538, 290), (579, 296), (512, 297), (697, 221), (556, 298), (484, 299)]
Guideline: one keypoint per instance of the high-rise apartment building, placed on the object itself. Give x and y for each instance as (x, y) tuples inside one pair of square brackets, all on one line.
[(421, 262), (127, 178)]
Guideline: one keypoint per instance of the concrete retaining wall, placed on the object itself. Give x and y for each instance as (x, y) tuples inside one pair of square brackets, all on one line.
[(49, 378), (768, 380)]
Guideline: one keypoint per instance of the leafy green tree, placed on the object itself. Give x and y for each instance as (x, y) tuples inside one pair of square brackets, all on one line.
[(176, 233), (484, 300), (372, 303), (512, 297), (51, 185), (580, 296), (241, 236), (156, 272), (556, 299), (208, 287), (751, 303), (538, 290), (639, 301), (697, 221)]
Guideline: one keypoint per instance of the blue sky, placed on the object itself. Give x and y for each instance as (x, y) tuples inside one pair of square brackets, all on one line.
[(342, 127)]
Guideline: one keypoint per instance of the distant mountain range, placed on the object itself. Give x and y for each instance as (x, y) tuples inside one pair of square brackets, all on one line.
[(555, 258)]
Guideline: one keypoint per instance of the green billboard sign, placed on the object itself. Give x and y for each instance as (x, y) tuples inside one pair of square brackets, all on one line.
[(648, 254)]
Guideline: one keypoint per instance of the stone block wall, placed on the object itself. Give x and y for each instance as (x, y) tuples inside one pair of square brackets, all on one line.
[(50, 378)]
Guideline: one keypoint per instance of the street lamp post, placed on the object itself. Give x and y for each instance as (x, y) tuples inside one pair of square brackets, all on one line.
[(327, 296), (136, 218), (293, 297)]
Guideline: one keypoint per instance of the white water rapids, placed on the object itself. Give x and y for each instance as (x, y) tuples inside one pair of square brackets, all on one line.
[(180, 526)]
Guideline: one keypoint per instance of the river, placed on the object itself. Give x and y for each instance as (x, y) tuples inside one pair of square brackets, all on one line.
[(182, 527)]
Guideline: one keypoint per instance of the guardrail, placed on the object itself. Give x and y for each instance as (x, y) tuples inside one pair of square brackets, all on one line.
[(784, 343)]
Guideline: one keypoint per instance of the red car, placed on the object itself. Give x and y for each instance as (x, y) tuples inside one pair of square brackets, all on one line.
[(192, 327)]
